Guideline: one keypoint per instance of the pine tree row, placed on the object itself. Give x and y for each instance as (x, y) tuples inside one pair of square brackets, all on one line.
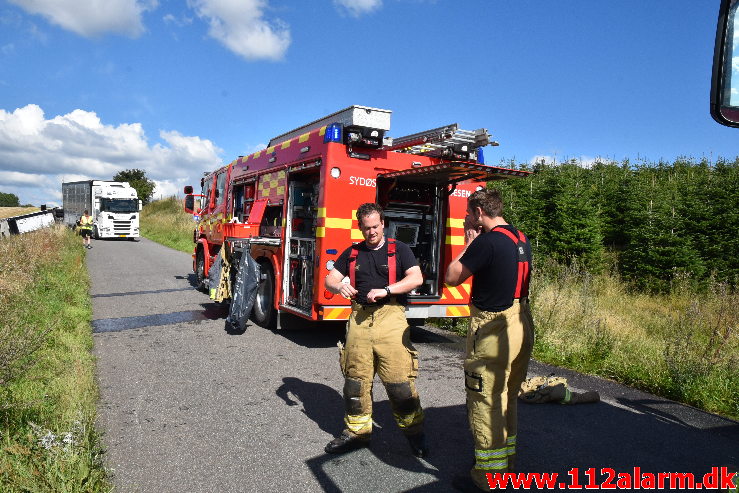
[(654, 223)]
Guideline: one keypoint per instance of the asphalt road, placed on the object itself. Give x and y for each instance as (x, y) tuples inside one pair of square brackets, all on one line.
[(187, 406)]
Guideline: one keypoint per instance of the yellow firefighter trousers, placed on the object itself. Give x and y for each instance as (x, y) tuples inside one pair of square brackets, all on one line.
[(378, 341), (499, 347)]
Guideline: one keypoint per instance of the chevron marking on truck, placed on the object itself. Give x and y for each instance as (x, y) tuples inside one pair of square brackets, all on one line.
[(458, 311), (336, 313)]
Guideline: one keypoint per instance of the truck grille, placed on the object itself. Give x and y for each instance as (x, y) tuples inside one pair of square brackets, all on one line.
[(122, 227)]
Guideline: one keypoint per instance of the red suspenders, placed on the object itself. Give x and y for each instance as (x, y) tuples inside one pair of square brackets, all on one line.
[(522, 284), (391, 264)]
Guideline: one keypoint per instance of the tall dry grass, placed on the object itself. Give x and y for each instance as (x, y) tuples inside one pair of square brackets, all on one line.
[(166, 222), (48, 394), (684, 346)]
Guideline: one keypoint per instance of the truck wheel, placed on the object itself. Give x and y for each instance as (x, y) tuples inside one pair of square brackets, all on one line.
[(263, 313), (95, 233), (200, 271)]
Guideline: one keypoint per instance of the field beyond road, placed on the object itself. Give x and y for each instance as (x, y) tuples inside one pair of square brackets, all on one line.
[(6, 212)]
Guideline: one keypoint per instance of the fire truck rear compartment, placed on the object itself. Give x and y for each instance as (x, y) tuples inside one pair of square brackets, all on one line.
[(414, 215)]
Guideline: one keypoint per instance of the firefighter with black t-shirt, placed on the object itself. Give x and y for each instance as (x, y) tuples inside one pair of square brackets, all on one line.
[(501, 332), (380, 272)]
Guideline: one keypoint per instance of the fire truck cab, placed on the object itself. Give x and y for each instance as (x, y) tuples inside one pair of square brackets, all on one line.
[(292, 208)]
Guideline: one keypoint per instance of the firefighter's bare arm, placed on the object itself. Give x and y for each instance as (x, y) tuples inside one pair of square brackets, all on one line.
[(413, 278), (457, 273), (334, 283)]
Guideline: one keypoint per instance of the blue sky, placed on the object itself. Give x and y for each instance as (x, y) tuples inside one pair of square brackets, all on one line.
[(177, 87)]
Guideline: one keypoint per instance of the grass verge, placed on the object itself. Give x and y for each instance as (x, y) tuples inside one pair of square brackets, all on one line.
[(166, 222), (683, 346), (48, 394)]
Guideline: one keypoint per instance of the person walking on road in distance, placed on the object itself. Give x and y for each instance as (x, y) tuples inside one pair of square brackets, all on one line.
[(500, 335), (85, 226), (377, 336)]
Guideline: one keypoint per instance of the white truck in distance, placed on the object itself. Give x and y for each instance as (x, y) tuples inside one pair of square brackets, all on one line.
[(113, 205)]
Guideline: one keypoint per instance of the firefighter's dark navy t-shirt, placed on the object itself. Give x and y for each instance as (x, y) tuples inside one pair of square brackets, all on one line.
[(371, 270), (493, 259)]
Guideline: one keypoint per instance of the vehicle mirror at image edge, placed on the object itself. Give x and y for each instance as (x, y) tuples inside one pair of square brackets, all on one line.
[(725, 80)]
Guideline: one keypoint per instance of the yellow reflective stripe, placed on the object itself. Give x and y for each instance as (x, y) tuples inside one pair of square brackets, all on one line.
[(568, 396), (320, 232), (303, 137), (511, 442), (357, 235), (358, 422), (492, 453), (285, 145), (408, 420), (466, 288), (500, 464), (270, 150), (321, 212), (454, 223), (339, 223), (455, 240), (322, 131), (257, 154)]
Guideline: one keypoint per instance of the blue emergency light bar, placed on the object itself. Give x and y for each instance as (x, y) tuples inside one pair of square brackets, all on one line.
[(333, 133)]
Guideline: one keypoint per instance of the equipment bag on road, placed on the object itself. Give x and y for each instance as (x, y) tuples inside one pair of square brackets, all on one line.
[(244, 292), (537, 390)]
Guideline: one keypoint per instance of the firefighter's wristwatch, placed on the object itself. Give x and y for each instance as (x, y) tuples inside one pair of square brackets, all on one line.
[(387, 288)]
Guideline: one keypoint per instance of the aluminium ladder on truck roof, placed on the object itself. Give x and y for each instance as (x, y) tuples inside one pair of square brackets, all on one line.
[(437, 141)]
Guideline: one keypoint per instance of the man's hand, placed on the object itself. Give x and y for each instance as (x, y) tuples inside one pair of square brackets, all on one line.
[(471, 231), (347, 291), (376, 294)]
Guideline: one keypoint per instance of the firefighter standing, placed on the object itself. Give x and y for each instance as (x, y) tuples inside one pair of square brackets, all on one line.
[(85, 227), (501, 332), (378, 337)]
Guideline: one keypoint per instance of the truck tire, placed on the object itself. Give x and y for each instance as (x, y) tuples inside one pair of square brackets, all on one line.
[(95, 233), (200, 271), (263, 313)]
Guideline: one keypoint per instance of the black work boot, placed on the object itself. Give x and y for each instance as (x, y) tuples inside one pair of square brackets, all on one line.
[(346, 442), (418, 444)]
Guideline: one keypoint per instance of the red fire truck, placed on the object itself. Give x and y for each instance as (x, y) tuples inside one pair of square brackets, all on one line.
[(292, 208)]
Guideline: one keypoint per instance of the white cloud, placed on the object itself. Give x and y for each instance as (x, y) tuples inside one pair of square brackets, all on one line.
[(358, 7), (91, 18), (240, 26), (37, 154)]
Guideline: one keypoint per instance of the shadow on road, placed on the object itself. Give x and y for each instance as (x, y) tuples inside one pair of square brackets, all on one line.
[(551, 438), (325, 406)]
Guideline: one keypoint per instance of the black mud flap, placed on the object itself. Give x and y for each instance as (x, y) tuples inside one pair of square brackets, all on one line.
[(244, 293)]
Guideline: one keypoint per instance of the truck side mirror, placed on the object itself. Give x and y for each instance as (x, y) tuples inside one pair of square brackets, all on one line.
[(188, 189), (140, 206), (725, 80), (189, 204)]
